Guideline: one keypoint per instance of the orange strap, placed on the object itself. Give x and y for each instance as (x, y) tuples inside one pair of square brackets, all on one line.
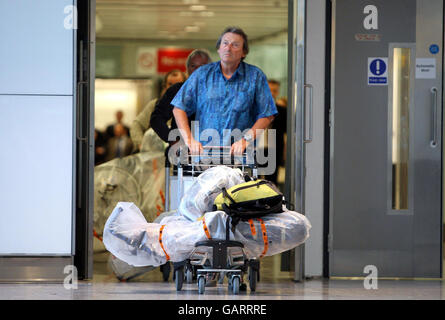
[(158, 213), (162, 197), (206, 230), (96, 235), (252, 227), (160, 241), (265, 239)]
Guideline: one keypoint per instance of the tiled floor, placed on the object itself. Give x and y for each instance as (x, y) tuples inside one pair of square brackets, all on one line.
[(274, 285), (266, 290)]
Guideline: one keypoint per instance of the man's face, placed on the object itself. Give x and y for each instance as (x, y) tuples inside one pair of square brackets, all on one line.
[(195, 63), (231, 48), (274, 89), (173, 78), (119, 116)]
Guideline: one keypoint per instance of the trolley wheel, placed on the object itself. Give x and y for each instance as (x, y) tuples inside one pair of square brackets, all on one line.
[(189, 275), (221, 277), (165, 269), (179, 278), (235, 285), (201, 284), (253, 277)]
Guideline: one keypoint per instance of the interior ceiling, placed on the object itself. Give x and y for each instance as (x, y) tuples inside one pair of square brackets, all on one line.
[(201, 20)]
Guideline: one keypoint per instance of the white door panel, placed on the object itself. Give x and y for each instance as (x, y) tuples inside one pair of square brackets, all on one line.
[(36, 170)]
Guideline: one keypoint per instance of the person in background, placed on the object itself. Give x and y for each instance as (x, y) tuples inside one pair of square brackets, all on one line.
[(120, 144), (274, 86), (227, 94), (100, 147), (142, 122), (279, 125), (163, 112), (109, 131), (163, 115)]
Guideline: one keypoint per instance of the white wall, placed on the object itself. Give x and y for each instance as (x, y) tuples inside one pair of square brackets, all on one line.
[(315, 75), (128, 96), (36, 128)]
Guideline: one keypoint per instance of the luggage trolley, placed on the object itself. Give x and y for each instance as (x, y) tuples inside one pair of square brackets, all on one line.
[(216, 256)]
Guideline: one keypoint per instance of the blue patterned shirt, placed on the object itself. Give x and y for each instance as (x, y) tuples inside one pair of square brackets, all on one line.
[(222, 104)]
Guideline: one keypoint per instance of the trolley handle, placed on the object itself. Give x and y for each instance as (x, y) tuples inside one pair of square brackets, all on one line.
[(183, 157), (224, 154)]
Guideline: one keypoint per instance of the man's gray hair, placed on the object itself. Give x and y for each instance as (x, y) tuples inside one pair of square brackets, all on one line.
[(198, 52), (238, 31)]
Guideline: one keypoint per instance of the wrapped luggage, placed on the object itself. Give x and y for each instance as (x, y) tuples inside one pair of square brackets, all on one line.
[(199, 198), (130, 238), (172, 237)]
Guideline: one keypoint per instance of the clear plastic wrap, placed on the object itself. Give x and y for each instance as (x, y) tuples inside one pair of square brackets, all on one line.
[(138, 178), (130, 238), (198, 199), (125, 271)]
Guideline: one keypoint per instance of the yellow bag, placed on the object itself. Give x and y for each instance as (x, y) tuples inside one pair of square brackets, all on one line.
[(252, 199)]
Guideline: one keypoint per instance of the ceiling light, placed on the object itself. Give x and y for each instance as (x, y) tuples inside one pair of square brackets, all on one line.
[(198, 8), (200, 23), (191, 29), (207, 14), (185, 14), (190, 1)]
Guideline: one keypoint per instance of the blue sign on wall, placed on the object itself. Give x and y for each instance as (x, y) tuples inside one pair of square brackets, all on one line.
[(377, 71), (434, 48)]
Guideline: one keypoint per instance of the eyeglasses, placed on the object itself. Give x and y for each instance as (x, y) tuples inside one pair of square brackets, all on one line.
[(235, 45)]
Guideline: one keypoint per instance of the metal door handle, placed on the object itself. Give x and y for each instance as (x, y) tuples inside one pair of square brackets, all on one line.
[(311, 114), (433, 142), (79, 85)]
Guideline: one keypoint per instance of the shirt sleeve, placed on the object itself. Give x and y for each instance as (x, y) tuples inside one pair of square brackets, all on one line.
[(187, 97), (141, 123), (264, 103)]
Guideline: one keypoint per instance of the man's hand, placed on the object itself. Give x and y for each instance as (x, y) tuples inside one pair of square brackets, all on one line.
[(195, 147), (238, 147)]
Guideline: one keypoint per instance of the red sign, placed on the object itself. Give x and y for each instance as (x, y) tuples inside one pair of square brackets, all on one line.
[(172, 58)]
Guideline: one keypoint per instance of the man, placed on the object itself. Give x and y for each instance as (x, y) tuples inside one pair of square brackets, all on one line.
[(225, 95), (163, 111), (120, 144), (109, 131), (142, 122)]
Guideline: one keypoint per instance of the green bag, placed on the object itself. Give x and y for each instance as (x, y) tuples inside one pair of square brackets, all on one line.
[(252, 199)]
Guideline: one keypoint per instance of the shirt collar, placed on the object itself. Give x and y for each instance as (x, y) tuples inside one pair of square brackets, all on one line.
[(238, 72)]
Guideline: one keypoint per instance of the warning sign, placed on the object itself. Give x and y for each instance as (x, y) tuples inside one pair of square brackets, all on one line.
[(377, 71)]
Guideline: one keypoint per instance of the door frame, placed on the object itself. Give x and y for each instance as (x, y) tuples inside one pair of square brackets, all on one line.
[(296, 119), (84, 204)]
